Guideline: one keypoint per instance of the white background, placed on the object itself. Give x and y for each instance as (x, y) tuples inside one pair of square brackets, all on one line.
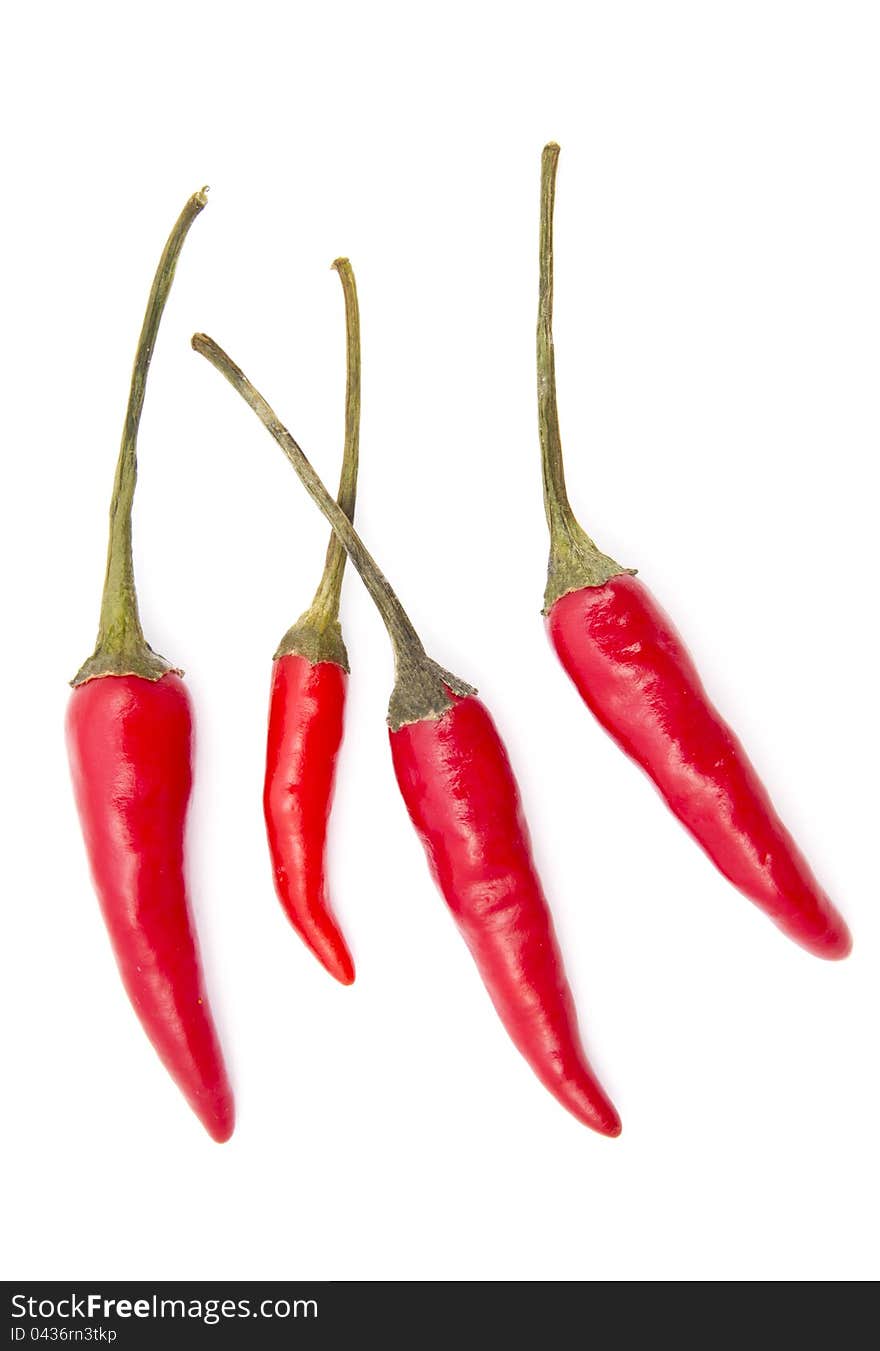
[(717, 338)]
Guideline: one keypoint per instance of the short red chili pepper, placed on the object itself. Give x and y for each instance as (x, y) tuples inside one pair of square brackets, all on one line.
[(129, 734), (306, 714), (633, 671), (459, 789)]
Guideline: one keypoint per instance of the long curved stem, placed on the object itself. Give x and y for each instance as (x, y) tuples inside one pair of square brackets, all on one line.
[(556, 504), (121, 647), (575, 561), (419, 690), (330, 588), (317, 635), (396, 620)]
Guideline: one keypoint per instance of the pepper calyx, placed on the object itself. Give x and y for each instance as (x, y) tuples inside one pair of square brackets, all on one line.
[(316, 639), (422, 690), (576, 562), (135, 659)]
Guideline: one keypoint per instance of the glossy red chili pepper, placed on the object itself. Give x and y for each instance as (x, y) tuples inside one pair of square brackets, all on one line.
[(129, 745), (129, 734), (306, 715), (632, 669), (459, 789), (306, 712)]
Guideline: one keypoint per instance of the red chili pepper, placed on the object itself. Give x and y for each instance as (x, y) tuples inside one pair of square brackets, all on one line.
[(459, 789), (306, 713), (632, 669), (129, 734), (458, 786)]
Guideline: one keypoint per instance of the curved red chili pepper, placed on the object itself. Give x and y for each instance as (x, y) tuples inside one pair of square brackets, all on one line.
[(129, 745), (129, 736), (459, 789), (458, 786), (633, 671), (306, 713)]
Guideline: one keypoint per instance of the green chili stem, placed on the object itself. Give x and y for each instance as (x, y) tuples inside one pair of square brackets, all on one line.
[(317, 634), (326, 602), (556, 504), (119, 604), (421, 687), (400, 629), (121, 647), (575, 561)]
